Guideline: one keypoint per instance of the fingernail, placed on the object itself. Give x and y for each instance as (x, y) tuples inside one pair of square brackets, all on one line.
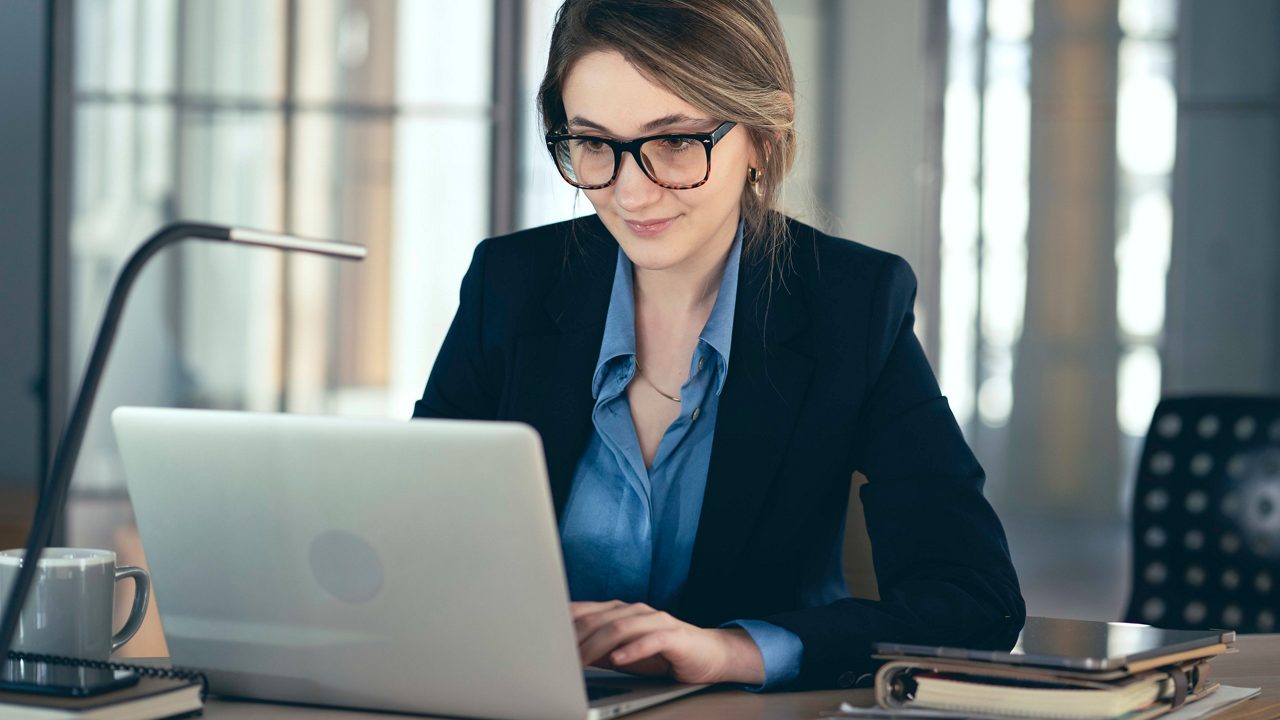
[(619, 656)]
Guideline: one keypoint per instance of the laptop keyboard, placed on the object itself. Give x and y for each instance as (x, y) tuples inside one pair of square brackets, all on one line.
[(599, 692)]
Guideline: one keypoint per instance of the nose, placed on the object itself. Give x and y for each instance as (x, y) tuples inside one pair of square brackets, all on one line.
[(633, 190)]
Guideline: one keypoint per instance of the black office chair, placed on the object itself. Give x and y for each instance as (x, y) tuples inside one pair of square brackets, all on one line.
[(1206, 516)]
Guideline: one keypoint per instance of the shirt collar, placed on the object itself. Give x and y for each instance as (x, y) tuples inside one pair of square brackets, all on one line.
[(619, 340), (619, 325), (718, 332)]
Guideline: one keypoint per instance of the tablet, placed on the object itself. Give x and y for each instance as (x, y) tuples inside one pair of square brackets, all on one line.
[(1077, 645)]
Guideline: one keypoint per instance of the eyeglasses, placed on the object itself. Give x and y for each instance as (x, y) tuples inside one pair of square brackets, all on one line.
[(678, 161)]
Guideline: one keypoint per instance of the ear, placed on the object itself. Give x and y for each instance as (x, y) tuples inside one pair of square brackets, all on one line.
[(762, 145), (759, 148), (766, 141)]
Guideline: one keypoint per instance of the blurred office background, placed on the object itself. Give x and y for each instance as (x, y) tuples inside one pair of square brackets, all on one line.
[(1087, 189)]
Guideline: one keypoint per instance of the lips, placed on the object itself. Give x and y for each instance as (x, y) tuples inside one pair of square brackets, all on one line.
[(649, 228)]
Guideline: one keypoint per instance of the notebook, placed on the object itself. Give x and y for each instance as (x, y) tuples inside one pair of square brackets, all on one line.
[(1067, 669), (977, 688), (1224, 697), (159, 693)]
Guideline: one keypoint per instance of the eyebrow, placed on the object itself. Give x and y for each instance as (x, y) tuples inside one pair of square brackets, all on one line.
[(662, 122)]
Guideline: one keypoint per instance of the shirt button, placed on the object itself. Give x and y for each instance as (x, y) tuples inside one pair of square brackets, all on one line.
[(696, 412), (701, 361)]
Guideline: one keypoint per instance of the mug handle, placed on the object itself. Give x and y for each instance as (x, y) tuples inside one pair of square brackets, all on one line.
[(142, 593)]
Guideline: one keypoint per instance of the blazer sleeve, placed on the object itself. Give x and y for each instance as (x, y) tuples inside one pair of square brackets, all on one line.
[(457, 386), (941, 559)]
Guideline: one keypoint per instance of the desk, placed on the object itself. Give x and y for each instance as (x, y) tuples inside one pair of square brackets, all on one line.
[(1256, 665)]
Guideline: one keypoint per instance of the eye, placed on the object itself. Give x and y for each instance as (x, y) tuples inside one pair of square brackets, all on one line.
[(591, 145), (676, 144)]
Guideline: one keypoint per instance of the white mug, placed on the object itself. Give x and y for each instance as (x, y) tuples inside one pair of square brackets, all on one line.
[(69, 609)]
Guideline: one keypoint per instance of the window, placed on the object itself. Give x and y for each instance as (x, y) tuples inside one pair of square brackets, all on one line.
[(1145, 141), (986, 145), (368, 121), (985, 201)]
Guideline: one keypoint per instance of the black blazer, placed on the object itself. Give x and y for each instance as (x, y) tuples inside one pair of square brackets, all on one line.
[(826, 378)]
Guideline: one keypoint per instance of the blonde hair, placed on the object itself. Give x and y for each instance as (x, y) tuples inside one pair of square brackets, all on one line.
[(728, 58)]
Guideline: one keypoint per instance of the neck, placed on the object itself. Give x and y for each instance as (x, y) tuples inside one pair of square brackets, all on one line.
[(690, 287)]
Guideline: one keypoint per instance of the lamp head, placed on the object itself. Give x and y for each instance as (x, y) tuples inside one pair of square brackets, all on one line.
[(262, 238)]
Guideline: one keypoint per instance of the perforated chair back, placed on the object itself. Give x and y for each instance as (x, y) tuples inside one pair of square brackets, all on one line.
[(1206, 516)]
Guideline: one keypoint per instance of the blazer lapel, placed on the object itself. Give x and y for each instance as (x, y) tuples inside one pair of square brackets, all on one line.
[(759, 406), (554, 370)]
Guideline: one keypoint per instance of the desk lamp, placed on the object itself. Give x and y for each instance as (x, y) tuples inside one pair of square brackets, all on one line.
[(54, 491)]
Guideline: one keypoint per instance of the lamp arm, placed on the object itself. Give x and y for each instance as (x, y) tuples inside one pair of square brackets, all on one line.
[(53, 492)]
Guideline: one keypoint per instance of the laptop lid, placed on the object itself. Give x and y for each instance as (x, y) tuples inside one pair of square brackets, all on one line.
[(410, 566)]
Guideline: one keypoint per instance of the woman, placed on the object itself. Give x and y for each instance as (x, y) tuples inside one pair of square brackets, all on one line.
[(707, 374)]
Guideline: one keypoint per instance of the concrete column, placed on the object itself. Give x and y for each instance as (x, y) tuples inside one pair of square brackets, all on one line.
[(876, 172), (1063, 449), (1222, 328)]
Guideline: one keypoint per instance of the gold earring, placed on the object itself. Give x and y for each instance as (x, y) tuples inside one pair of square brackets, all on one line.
[(753, 179)]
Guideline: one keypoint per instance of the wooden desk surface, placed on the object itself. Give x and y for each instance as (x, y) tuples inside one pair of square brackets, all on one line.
[(1257, 664)]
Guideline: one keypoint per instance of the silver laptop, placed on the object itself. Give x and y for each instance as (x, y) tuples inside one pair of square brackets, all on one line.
[(377, 564)]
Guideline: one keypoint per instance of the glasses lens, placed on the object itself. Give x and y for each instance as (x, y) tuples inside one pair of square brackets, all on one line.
[(585, 161), (676, 161)]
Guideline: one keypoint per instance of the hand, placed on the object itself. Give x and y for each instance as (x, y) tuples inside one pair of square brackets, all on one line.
[(637, 639)]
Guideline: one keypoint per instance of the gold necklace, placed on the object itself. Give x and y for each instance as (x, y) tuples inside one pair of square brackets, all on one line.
[(672, 398)]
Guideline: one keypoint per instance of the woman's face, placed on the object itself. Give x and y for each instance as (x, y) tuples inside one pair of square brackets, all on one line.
[(658, 228)]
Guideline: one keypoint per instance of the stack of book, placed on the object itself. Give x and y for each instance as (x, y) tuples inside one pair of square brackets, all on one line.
[(1067, 669)]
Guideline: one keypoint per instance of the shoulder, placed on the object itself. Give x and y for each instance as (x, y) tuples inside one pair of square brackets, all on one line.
[(858, 300), (836, 268), (518, 278), (547, 247)]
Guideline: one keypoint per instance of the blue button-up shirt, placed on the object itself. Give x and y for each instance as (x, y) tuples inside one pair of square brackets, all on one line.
[(628, 530)]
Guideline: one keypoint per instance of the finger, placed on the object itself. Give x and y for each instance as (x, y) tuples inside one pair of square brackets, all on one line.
[(587, 624), (643, 648), (619, 632), (599, 633), (653, 666), (582, 607)]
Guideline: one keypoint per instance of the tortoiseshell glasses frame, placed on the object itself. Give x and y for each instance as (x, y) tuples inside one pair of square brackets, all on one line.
[(559, 145)]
